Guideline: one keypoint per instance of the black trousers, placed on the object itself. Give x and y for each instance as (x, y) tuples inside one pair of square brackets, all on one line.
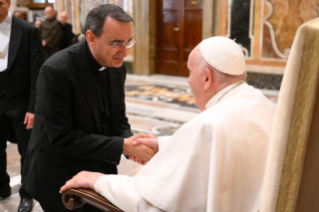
[(85, 208), (49, 51), (12, 114)]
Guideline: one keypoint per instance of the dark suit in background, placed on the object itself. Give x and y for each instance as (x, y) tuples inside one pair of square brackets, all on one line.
[(67, 36), (17, 92), (80, 123), (50, 31)]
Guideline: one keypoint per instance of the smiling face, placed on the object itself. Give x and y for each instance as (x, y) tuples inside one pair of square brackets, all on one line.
[(4, 9), (113, 31)]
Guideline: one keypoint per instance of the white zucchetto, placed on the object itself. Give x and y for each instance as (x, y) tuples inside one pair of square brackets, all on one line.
[(223, 54)]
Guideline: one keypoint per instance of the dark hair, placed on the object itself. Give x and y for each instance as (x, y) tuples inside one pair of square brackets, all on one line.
[(96, 17)]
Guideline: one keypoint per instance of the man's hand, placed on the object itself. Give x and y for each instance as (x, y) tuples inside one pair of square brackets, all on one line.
[(28, 120), (151, 142), (44, 43), (83, 179), (142, 152)]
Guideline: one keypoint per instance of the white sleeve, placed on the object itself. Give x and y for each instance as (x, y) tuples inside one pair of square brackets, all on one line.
[(162, 141), (145, 206), (119, 190)]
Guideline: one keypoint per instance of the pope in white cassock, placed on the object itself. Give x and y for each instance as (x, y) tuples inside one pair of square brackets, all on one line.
[(215, 162)]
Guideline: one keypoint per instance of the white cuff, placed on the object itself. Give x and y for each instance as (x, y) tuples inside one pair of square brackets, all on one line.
[(162, 141), (119, 190)]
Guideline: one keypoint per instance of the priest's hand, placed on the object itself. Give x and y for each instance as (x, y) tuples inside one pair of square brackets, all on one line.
[(151, 142), (83, 179), (28, 120), (141, 152)]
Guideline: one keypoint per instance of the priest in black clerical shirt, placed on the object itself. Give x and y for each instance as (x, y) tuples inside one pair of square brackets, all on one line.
[(102, 77), (67, 34), (80, 121), (21, 57)]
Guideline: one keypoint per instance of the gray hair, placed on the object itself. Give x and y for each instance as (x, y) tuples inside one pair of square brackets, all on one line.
[(96, 17), (221, 77), (226, 78)]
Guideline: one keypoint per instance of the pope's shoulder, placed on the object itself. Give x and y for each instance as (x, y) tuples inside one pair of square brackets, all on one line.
[(245, 103)]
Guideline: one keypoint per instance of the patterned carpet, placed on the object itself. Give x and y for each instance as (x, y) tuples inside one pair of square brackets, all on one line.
[(178, 96)]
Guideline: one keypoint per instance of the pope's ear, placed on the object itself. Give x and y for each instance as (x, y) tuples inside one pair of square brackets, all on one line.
[(91, 38), (208, 79)]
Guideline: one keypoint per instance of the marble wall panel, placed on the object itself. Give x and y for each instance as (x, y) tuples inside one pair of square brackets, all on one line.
[(267, 48), (22, 3), (264, 28), (236, 20), (239, 22), (281, 20)]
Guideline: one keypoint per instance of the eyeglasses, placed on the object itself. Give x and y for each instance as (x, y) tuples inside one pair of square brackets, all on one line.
[(116, 45)]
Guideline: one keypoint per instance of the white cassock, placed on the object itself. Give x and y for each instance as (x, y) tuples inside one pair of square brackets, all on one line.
[(215, 162)]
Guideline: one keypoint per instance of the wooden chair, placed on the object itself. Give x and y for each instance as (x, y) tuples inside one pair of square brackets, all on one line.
[(76, 198)]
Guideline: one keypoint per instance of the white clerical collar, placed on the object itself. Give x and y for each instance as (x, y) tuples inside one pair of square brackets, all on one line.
[(220, 94), (6, 21), (102, 68)]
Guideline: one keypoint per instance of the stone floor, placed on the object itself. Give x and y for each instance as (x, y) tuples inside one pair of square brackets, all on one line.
[(156, 104)]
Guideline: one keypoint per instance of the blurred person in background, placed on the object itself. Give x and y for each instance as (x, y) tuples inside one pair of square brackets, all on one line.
[(37, 24), (67, 34), (21, 57), (18, 14), (51, 33)]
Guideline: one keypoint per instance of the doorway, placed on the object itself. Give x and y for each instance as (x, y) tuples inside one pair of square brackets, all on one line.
[(178, 31)]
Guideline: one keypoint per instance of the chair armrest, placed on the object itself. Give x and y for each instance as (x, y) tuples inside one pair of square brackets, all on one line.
[(75, 198)]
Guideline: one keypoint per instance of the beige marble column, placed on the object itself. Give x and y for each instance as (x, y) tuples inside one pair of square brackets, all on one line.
[(208, 13), (143, 61), (59, 6), (77, 16)]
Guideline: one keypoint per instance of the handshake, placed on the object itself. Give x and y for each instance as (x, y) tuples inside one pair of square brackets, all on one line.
[(140, 147)]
